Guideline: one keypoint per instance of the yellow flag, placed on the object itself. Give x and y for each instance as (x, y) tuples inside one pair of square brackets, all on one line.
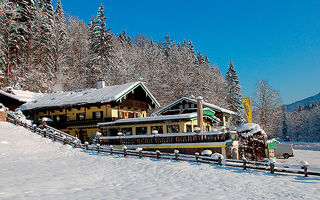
[(247, 108)]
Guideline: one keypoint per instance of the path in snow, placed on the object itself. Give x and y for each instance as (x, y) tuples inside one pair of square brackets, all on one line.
[(33, 167)]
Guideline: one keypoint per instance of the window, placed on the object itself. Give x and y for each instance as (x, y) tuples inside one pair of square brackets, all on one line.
[(173, 128), (121, 114), (227, 118), (80, 116), (97, 115), (131, 115), (137, 115), (189, 128), (68, 117), (158, 128), (180, 106), (207, 128), (126, 131), (186, 106), (192, 106), (141, 130)]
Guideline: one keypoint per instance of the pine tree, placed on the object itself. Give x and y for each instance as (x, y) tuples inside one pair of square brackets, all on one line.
[(234, 93), (60, 45), (103, 46)]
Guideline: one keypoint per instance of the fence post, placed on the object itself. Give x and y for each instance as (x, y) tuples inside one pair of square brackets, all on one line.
[(244, 160), (176, 154), (158, 154), (304, 166), (44, 132), (196, 154), (64, 140), (86, 144), (98, 148), (54, 137), (124, 151), (271, 163), (219, 161), (34, 128), (139, 150), (111, 149), (272, 168)]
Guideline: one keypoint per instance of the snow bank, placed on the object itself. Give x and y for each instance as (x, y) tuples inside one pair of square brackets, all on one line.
[(216, 156), (248, 129), (206, 153), (33, 167)]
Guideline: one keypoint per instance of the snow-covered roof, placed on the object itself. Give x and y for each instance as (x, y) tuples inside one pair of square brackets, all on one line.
[(87, 96), (155, 118), (205, 104), (20, 95), (248, 129)]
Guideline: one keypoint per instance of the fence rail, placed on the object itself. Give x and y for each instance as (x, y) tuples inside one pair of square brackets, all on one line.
[(66, 139)]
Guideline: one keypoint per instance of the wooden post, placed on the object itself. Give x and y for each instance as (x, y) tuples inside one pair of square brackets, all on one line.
[(272, 167), (124, 151), (244, 163), (219, 161), (200, 112), (86, 145), (98, 148), (54, 137), (34, 128), (197, 156), (305, 171), (140, 153), (158, 154), (304, 166), (176, 154), (111, 151)]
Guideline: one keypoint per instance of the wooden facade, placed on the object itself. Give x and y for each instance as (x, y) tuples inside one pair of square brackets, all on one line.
[(189, 105), (182, 123), (80, 119)]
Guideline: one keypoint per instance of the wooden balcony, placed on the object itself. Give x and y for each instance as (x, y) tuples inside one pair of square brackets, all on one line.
[(133, 104)]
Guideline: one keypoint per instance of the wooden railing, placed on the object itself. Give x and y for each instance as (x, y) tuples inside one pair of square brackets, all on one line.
[(66, 139), (161, 139), (133, 103)]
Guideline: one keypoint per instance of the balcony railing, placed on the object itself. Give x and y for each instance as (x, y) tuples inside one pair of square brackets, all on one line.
[(133, 103), (85, 122)]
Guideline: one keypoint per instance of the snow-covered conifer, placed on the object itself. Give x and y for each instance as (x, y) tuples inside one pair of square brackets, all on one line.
[(234, 93)]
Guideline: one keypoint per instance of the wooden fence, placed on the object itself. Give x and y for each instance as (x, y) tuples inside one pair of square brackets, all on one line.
[(66, 139)]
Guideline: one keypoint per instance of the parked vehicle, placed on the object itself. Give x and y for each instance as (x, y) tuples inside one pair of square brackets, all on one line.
[(284, 150)]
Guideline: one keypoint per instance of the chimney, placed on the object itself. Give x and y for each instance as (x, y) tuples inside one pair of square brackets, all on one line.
[(101, 84), (200, 112)]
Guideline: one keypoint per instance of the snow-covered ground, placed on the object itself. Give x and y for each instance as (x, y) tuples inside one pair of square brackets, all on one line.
[(32, 167)]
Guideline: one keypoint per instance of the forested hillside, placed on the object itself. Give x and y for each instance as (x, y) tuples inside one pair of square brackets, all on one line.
[(43, 50)]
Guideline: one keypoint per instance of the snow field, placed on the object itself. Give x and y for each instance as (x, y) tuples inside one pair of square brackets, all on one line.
[(33, 167)]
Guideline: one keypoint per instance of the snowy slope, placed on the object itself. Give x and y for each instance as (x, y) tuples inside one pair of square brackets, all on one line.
[(32, 167), (303, 102)]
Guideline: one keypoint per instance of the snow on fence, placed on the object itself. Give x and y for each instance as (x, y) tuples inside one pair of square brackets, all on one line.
[(64, 138)]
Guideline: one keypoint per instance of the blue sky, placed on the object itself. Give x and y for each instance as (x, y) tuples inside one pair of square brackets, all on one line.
[(278, 41)]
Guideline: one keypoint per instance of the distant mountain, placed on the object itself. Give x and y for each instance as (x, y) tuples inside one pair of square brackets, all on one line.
[(303, 102)]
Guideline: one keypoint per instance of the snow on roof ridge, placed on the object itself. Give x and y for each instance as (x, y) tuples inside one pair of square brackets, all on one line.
[(152, 118), (195, 101), (83, 96)]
